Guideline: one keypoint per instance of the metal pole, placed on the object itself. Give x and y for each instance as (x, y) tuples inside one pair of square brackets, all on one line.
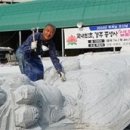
[(20, 38), (114, 49), (62, 35), (33, 33), (37, 29)]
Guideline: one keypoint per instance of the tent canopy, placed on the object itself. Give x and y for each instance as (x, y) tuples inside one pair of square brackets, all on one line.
[(63, 13)]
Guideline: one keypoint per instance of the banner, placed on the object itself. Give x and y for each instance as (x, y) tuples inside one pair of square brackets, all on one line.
[(113, 35)]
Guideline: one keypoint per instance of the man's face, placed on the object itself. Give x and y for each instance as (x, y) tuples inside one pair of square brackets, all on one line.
[(48, 33)]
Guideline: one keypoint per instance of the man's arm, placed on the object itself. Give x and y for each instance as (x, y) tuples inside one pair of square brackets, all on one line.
[(26, 46), (56, 62), (54, 59)]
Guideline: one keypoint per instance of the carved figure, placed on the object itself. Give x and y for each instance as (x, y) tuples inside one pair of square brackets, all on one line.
[(95, 96)]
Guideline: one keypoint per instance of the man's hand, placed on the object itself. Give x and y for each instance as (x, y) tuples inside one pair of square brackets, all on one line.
[(44, 48), (62, 76), (34, 45)]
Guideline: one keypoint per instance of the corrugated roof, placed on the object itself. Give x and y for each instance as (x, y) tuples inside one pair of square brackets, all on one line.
[(63, 13)]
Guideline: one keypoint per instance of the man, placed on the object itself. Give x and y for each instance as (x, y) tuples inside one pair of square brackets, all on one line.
[(28, 54)]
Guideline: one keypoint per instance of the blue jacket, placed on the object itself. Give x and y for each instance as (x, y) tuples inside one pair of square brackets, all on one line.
[(31, 57)]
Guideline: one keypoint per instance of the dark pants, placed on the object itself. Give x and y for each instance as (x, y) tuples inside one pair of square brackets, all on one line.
[(31, 66)]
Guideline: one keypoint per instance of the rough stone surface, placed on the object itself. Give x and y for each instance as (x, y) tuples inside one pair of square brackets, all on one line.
[(95, 96)]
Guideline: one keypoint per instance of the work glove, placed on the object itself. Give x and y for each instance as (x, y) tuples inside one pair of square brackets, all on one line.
[(34, 45), (62, 76), (44, 48)]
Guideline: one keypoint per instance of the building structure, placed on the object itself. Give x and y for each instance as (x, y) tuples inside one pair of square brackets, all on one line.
[(17, 20)]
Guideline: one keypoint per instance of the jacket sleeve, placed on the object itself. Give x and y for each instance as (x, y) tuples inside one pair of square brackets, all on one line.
[(54, 59), (26, 46)]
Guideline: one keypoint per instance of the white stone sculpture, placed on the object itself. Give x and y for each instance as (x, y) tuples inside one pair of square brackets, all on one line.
[(95, 96)]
